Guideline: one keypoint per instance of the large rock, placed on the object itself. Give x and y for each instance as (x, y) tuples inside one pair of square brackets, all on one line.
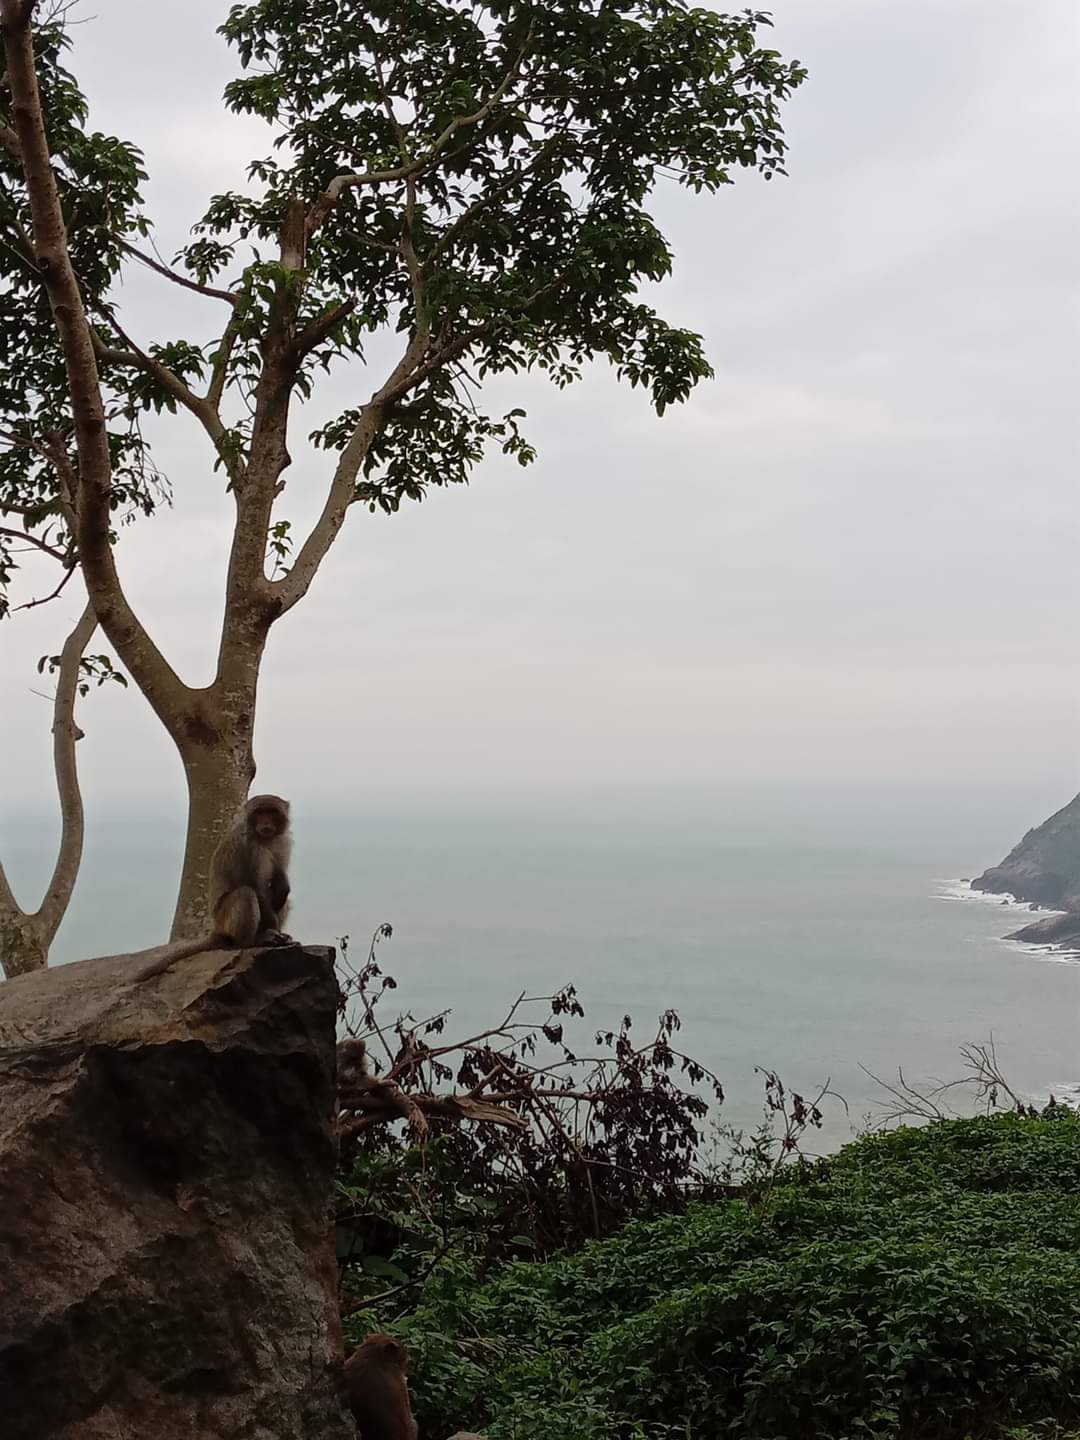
[(1045, 867), (166, 1169), (1062, 930)]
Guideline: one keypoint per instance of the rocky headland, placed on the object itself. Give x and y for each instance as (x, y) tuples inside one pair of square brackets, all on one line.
[(1044, 871)]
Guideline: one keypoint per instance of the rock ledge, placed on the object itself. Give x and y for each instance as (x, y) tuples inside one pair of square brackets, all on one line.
[(166, 1171)]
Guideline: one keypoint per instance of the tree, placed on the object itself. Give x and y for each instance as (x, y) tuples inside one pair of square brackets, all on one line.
[(471, 177)]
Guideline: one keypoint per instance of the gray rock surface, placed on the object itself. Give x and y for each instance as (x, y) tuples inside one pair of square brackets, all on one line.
[(1045, 867), (1062, 931), (166, 1169)]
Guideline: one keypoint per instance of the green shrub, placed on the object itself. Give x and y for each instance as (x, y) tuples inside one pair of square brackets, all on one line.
[(922, 1283)]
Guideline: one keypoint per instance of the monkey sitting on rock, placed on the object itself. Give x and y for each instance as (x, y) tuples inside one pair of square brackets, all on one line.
[(249, 877), (248, 893)]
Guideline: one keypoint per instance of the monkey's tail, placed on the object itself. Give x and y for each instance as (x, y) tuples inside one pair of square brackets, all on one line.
[(164, 956)]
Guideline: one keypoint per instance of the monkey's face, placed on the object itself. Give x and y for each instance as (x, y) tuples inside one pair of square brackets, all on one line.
[(266, 824)]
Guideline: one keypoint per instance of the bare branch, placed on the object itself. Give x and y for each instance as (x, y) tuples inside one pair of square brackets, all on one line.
[(44, 599), (37, 542), (27, 936), (445, 1107), (323, 325), (984, 1082), (219, 373), (293, 586), (160, 269), (411, 371), (65, 736)]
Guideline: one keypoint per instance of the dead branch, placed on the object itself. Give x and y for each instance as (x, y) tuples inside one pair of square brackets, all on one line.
[(984, 1085)]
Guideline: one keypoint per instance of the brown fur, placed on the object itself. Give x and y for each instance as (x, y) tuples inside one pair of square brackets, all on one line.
[(249, 878), (248, 893), (377, 1391)]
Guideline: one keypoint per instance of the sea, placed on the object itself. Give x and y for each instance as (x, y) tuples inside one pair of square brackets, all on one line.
[(828, 936)]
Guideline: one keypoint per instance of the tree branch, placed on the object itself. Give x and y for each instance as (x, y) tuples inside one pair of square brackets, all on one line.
[(37, 542), (27, 936), (294, 585), (160, 269), (399, 385), (65, 767), (10, 141), (412, 169), (460, 225), (134, 357), (52, 595), (318, 329), (220, 372), (248, 611), (381, 1111), (410, 371)]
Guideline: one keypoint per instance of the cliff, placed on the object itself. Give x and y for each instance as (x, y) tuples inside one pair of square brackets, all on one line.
[(1045, 867), (166, 1167)]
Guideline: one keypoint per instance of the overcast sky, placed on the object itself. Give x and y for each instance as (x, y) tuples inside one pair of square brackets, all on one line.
[(851, 557)]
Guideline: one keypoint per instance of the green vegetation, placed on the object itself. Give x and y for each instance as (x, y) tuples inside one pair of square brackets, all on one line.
[(920, 1283)]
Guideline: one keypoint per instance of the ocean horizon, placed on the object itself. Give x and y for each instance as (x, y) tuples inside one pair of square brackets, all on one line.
[(821, 943)]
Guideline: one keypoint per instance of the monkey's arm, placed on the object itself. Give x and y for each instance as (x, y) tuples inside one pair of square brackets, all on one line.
[(227, 868), (278, 894), (278, 888)]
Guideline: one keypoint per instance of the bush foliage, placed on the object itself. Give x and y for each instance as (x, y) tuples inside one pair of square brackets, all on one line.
[(922, 1282)]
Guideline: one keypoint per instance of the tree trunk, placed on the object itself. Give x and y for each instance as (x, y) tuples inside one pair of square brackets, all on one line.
[(218, 778), (24, 946), (215, 737)]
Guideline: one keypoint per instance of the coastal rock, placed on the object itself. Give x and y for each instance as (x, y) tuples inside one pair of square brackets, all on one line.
[(1060, 929), (166, 1167), (1045, 867)]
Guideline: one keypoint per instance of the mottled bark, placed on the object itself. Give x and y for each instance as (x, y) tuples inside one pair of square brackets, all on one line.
[(218, 775)]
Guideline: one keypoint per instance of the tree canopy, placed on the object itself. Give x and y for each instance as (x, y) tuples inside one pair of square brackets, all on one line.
[(476, 177)]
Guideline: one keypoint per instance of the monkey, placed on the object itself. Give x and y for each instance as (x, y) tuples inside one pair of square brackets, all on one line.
[(378, 1394), (248, 891), (353, 1066), (249, 878)]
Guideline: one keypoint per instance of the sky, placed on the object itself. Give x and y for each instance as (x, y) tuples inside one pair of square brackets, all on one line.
[(850, 559)]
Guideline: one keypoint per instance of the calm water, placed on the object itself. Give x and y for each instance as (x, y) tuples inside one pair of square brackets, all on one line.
[(781, 942)]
